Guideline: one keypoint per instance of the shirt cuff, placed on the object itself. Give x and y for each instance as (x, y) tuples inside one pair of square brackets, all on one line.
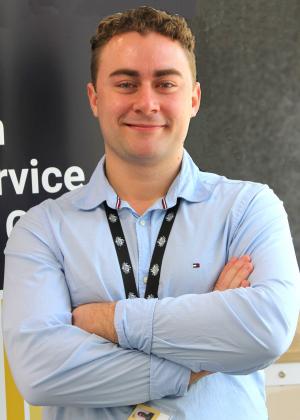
[(133, 323), (167, 378)]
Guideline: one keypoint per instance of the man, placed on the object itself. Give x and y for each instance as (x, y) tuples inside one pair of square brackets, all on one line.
[(149, 224)]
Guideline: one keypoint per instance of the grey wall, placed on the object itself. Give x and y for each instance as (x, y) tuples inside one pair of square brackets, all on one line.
[(248, 65), (249, 69)]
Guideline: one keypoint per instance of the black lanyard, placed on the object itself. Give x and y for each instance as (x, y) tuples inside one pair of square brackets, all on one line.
[(124, 257)]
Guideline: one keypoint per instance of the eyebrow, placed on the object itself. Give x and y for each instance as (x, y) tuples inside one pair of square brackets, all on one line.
[(135, 73)]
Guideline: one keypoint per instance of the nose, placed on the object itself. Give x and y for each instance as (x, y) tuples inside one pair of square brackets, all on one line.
[(146, 101)]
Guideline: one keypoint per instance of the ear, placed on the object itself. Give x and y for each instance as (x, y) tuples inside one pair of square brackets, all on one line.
[(196, 99), (93, 98)]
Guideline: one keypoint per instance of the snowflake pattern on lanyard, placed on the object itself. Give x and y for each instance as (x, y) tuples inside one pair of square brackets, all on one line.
[(161, 241), (170, 217), (119, 241), (112, 218), (155, 269), (126, 268)]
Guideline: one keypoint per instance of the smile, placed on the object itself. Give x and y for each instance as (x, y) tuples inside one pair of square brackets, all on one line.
[(145, 127)]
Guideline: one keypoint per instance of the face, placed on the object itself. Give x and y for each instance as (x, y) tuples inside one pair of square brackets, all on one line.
[(144, 98)]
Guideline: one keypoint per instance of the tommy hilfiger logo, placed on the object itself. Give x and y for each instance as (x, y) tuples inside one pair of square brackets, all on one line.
[(196, 265)]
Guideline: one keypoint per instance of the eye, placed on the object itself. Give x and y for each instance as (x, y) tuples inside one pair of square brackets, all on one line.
[(127, 85), (166, 85)]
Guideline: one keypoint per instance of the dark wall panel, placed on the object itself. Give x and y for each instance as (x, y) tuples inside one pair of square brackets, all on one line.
[(248, 126)]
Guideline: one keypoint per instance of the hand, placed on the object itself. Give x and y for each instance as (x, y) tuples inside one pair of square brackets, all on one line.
[(195, 376), (96, 318), (235, 274)]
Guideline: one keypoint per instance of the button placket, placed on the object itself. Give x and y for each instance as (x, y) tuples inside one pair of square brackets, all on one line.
[(144, 251)]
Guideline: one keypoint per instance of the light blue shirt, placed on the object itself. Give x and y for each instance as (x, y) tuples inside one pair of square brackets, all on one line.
[(61, 254)]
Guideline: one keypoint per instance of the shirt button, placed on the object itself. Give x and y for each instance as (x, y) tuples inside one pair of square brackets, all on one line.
[(142, 222), (145, 279)]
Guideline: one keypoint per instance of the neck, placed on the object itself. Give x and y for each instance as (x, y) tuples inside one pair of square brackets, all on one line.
[(139, 184)]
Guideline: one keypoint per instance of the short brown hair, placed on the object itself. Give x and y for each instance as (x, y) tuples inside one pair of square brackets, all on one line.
[(143, 20)]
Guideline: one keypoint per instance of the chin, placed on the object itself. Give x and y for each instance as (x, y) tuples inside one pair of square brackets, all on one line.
[(144, 156)]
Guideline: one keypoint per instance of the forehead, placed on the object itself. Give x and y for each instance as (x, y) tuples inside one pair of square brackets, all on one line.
[(143, 52)]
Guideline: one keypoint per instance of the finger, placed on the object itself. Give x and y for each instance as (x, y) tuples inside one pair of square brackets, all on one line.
[(245, 283), (242, 262), (195, 376), (230, 271), (230, 263), (242, 274), (226, 269)]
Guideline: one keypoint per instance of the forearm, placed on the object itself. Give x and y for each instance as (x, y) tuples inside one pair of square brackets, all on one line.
[(218, 332), (98, 318), (62, 365)]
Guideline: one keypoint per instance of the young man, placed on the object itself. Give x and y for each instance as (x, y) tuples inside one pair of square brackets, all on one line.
[(179, 244)]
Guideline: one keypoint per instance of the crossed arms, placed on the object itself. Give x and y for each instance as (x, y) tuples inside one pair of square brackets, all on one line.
[(234, 331), (98, 318)]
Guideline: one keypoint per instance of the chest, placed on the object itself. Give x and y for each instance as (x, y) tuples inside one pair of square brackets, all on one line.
[(195, 254)]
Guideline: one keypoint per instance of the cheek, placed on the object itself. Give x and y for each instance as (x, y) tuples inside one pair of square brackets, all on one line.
[(112, 108), (178, 107)]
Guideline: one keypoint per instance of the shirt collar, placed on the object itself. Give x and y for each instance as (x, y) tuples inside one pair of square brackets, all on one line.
[(96, 191), (189, 184)]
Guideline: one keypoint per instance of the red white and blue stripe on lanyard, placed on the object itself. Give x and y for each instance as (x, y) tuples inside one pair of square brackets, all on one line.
[(123, 253)]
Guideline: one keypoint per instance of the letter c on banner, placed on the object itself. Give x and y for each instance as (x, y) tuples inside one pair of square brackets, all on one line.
[(45, 180), (11, 220)]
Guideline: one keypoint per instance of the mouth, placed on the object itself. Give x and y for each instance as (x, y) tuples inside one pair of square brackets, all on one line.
[(145, 127)]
